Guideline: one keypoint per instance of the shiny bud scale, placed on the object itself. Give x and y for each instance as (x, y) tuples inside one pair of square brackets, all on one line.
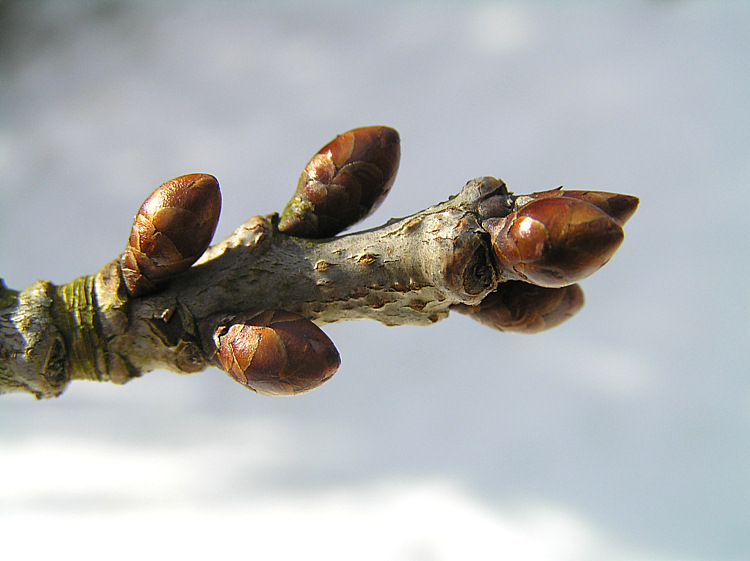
[(618, 206), (275, 352), (172, 229), (343, 183), (554, 241), (519, 307)]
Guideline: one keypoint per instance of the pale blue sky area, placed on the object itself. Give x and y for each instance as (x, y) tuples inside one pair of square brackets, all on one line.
[(622, 435)]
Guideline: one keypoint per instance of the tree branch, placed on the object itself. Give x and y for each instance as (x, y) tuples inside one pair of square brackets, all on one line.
[(108, 327)]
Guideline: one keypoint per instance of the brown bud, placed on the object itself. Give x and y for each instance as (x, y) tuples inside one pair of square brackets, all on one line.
[(554, 242), (524, 308), (275, 352), (344, 182), (618, 206), (172, 229)]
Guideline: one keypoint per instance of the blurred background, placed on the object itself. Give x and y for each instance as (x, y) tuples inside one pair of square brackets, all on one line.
[(621, 435)]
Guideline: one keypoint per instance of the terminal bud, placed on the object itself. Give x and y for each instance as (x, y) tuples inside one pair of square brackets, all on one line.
[(554, 242), (618, 206)]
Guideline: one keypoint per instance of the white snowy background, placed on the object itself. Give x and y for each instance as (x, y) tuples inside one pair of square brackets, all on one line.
[(622, 435)]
